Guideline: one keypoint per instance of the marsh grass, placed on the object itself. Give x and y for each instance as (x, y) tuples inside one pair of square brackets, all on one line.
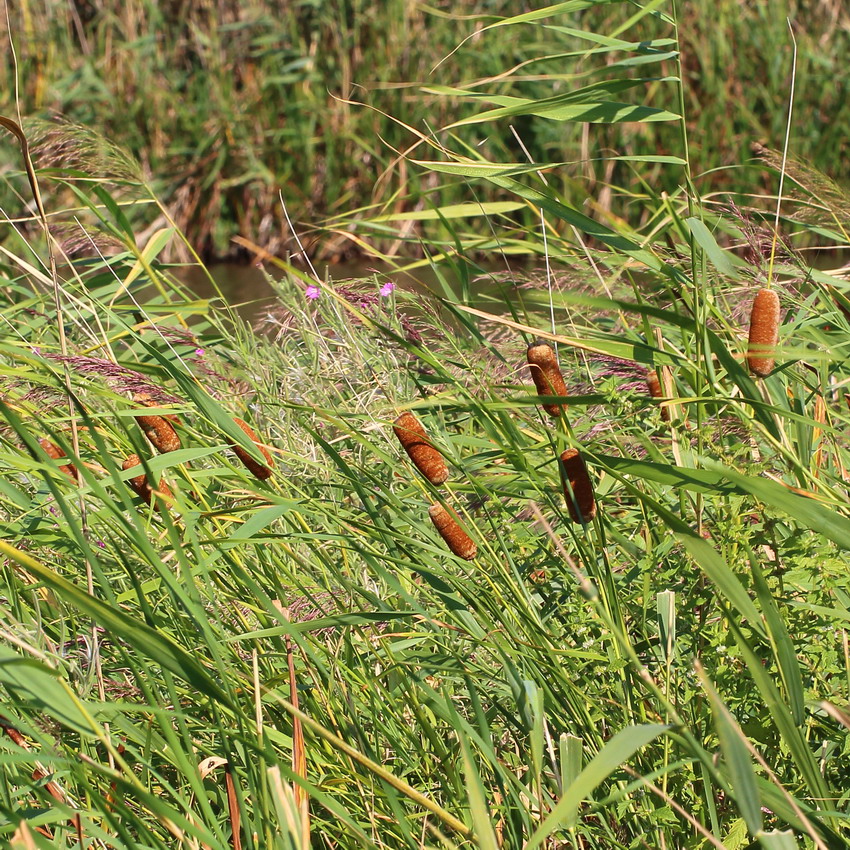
[(303, 661)]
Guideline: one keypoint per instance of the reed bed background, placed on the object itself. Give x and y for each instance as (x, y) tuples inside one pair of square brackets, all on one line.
[(223, 104), (621, 626)]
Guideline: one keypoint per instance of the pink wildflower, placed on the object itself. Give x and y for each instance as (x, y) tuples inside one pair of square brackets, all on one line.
[(387, 288), (312, 293)]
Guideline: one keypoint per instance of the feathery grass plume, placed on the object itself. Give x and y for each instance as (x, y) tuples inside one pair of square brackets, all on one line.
[(160, 432), (546, 374), (53, 451), (653, 386), (148, 400), (764, 332), (456, 538), (140, 485), (257, 469), (578, 489), (415, 442)]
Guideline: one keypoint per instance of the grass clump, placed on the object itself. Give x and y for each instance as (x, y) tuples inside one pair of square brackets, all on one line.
[(647, 650)]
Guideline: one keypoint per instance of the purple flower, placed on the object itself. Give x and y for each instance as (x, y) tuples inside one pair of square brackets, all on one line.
[(36, 350), (100, 544), (387, 288), (312, 293), (199, 352)]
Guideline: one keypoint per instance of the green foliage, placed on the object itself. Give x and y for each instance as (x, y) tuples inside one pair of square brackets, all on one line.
[(301, 661)]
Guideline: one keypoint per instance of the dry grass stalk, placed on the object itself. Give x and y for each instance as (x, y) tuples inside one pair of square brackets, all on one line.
[(546, 374), (160, 432), (53, 451), (578, 489), (653, 386), (460, 543), (140, 485), (257, 469), (415, 442), (764, 332)]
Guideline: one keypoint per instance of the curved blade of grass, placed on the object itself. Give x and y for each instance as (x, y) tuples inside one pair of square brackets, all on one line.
[(617, 751)]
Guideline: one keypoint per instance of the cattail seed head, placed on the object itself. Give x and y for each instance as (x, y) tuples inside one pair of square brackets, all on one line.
[(139, 484), (257, 469), (578, 489), (160, 432), (146, 400), (53, 451), (654, 388), (415, 442), (546, 374), (460, 543), (764, 332)]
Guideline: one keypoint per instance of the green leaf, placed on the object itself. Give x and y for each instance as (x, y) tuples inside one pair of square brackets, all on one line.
[(737, 757), (614, 754)]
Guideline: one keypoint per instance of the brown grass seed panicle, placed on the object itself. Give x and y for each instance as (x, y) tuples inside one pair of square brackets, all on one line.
[(257, 469), (578, 489), (139, 483), (415, 442), (53, 451), (546, 374), (160, 432), (460, 543), (764, 332)]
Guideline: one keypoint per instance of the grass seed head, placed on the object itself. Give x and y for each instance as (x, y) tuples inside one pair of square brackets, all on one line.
[(139, 484), (415, 442), (764, 332), (53, 451), (546, 374), (257, 469), (460, 543), (160, 432), (578, 489)]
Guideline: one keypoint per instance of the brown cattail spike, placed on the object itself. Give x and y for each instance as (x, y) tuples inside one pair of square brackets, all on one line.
[(53, 451), (578, 490), (653, 386), (140, 485), (546, 374), (415, 442), (764, 332), (160, 432), (257, 469), (146, 400), (456, 538)]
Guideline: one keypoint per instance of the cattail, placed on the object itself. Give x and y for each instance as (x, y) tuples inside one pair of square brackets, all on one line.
[(256, 468), (579, 493), (764, 332), (415, 442), (53, 451), (456, 538), (140, 485), (546, 374), (147, 401), (160, 432), (653, 386)]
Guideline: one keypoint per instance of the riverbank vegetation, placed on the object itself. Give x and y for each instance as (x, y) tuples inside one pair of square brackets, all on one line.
[(247, 602), (225, 104)]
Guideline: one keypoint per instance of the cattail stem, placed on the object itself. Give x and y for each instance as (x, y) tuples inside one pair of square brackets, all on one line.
[(546, 374), (578, 489), (415, 442), (257, 469), (764, 332), (460, 543)]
